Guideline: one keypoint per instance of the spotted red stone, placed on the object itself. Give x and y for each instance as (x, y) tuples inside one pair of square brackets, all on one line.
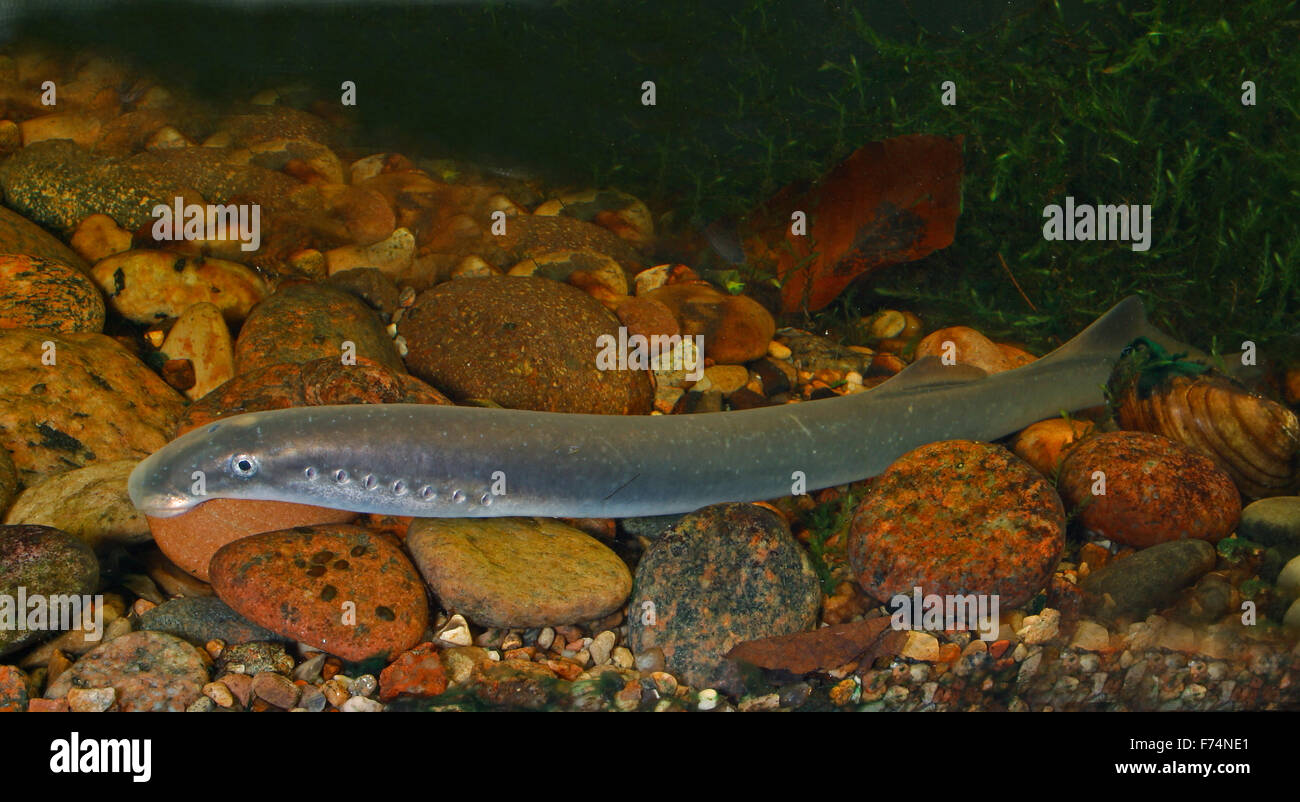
[(339, 588), (954, 518), (417, 672)]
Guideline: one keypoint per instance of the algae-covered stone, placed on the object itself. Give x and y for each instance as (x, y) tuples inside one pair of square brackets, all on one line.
[(58, 183), (150, 671), (1149, 579), (69, 400), (722, 575), (37, 293), (303, 322), (39, 563), (518, 572), (523, 342), (199, 619), (90, 503), (954, 518), (1273, 522)]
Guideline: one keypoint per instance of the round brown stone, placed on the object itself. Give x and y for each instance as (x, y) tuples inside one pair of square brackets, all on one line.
[(523, 342), (67, 400), (954, 518), (339, 588), (1156, 490), (518, 572), (302, 322)]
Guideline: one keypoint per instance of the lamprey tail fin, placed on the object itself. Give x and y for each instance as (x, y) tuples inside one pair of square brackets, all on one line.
[(929, 372), (1108, 334)]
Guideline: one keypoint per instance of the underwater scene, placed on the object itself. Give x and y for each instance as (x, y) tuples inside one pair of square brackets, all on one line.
[(647, 356)]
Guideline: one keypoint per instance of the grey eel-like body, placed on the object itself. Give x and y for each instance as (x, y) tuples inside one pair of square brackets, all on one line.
[(445, 461)]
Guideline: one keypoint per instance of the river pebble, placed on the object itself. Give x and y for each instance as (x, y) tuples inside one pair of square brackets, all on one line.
[(90, 503), (955, 518), (338, 588), (722, 575), (40, 562), (518, 572), (147, 671), (523, 342)]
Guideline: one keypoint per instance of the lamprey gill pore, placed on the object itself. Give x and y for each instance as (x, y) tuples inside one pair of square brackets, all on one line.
[(446, 461)]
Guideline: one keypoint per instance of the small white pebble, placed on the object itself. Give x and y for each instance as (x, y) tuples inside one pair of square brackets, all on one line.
[(545, 638), (456, 632), (360, 704), (708, 699)]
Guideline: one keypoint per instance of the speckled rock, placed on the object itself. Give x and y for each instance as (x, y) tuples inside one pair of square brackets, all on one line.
[(1155, 490), (13, 690), (736, 329), (518, 572), (20, 235), (954, 518), (303, 322), (95, 403), (58, 183), (8, 480), (523, 342), (90, 503), (39, 294), (722, 575), (1147, 580), (199, 619), (339, 588), (149, 286), (151, 671), (320, 382), (44, 562), (253, 657)]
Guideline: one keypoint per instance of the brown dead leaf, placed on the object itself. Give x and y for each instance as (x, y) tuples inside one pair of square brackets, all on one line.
[(821, 649)]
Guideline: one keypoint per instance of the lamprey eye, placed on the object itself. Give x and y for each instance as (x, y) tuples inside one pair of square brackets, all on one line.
[(243, 465)]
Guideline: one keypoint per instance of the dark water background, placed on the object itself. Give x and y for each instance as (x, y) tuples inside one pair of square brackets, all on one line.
[(1109, 102)]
